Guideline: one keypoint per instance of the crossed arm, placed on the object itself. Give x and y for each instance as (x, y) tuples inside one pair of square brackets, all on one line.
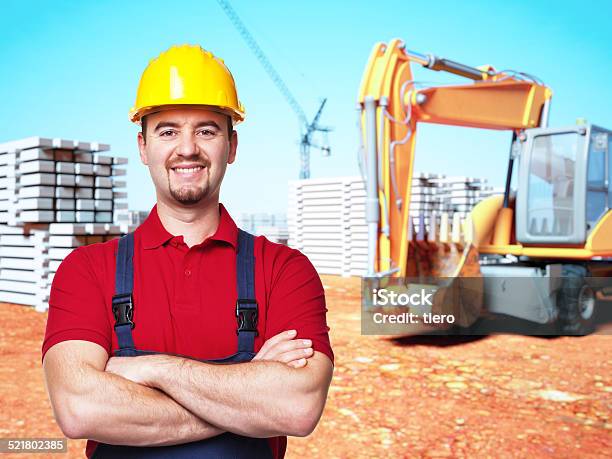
[(163, 400)]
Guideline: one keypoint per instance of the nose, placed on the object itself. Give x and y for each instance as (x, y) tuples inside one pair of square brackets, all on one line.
[(187, 145)]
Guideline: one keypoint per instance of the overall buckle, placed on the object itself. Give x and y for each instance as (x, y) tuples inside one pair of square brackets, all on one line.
[(247, 317), (123, 309)]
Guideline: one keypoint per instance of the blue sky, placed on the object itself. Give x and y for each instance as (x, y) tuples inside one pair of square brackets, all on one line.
[(70, 69)]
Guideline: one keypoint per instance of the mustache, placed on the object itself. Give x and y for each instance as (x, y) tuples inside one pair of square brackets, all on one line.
[(201, 161)]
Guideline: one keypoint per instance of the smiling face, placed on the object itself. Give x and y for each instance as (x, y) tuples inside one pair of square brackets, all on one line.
[(187, 151)]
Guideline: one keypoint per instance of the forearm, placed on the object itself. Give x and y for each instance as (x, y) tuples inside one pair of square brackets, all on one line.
[(256, 399), (114, 410)]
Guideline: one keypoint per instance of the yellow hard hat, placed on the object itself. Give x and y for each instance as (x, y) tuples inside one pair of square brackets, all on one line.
[(187, 75)]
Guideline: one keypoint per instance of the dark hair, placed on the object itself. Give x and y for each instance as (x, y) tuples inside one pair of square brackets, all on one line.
[(143, 125)]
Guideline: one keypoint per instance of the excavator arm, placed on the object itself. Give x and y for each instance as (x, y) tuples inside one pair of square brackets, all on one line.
[(391, 108)]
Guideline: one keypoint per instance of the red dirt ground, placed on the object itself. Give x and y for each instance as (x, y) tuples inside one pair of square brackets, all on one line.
[(466, 397)]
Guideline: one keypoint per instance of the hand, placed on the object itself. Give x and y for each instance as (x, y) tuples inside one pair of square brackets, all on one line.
[(132, 368), (284, 348)]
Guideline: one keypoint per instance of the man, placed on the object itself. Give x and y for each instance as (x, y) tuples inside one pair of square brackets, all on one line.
[(182, 310)]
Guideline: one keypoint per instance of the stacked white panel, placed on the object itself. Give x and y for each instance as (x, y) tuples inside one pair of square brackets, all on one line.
[(357, 237), (131, 217), (55, 195), (294, 215), (24, 265), (272, 226), (316, 215), (276, 234), (8, 186), (326, 217), (55, 180), (66, 237)]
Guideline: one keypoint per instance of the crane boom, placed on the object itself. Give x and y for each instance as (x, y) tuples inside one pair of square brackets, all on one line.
[(309, 128), (263, 59)]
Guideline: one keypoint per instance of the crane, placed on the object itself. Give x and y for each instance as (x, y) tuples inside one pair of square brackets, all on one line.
[(308, 128)]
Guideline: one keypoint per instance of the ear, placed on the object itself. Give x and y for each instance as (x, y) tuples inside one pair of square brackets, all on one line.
[(233, 147), (142, 149)]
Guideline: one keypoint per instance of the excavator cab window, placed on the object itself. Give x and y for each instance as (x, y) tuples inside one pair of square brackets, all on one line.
[(551, 185), (597, 202), (552, 188)]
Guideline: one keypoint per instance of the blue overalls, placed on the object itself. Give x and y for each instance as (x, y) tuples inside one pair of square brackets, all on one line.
[(227, 445)]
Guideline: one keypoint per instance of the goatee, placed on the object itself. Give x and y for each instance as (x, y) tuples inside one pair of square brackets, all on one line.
[(188, 195)]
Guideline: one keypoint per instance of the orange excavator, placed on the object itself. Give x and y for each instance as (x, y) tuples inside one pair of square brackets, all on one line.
[(542, 251)]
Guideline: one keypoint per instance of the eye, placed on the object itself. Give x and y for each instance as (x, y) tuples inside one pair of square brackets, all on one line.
[(207, 133), (167, 133)]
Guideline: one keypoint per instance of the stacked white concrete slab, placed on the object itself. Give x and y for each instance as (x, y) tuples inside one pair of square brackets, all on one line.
[(426, 197), (434, 195), (24, 264), (276, 234), (326, 217), (316, 217), (487, 191), (131, 217), (65, 237), (45, 182), (272, 226), (294, 214), (325, 223), (55, 180), (356, 237), (460, 194)]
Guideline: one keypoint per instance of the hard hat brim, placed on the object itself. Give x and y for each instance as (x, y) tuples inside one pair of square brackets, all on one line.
[(137, 114)]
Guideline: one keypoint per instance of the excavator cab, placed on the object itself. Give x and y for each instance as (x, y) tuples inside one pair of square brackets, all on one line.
[(565, 184)]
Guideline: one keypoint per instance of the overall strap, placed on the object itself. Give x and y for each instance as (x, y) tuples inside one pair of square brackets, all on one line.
[(246, 304), (123, 307)]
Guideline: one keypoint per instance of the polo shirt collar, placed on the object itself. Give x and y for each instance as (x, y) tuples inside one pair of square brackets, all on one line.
[(153, 234)]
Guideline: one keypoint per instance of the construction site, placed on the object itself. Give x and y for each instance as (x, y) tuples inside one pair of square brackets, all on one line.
[(508, 357)]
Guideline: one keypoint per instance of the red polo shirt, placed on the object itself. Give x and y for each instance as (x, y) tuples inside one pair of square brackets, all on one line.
[(184, 298)]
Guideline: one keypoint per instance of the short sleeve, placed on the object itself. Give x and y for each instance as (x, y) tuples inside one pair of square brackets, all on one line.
[(297, 301), (76, 304)]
